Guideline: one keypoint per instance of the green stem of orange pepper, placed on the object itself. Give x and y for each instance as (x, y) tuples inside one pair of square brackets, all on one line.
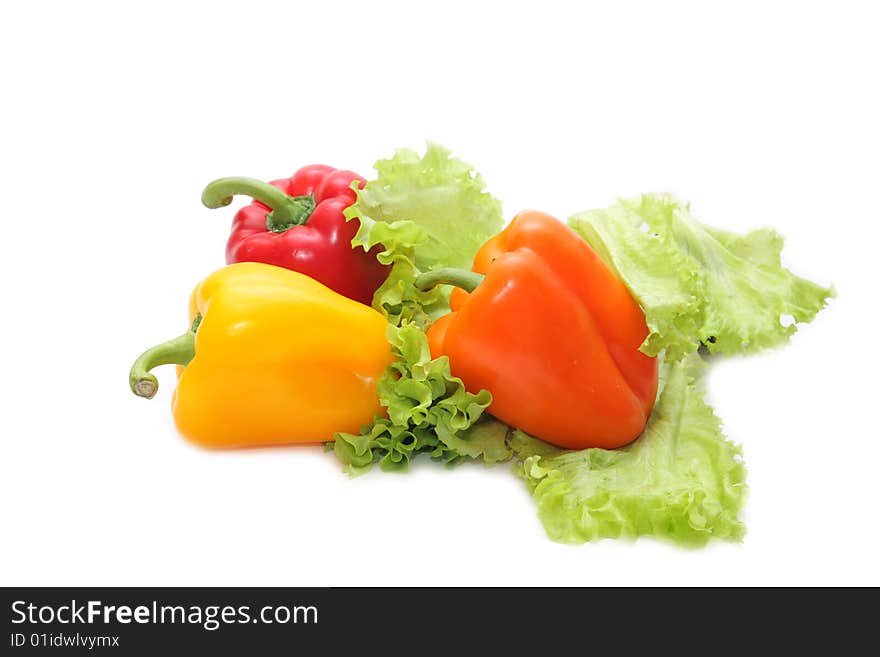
[(466, 280)]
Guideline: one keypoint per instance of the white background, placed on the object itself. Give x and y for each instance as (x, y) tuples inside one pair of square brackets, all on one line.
[(114, 117)]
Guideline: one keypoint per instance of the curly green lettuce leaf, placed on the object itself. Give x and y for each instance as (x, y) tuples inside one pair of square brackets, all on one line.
[(699, 284), (659, 275), (682, 480), (397, 298), (426, 212), (442, 195), (429, 411)]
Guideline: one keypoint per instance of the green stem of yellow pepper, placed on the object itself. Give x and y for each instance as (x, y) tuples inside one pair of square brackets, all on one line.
[(177, 351)]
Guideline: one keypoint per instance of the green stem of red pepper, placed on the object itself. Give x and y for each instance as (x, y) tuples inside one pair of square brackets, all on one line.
[(177, 351), (287, 211), (466, 280)]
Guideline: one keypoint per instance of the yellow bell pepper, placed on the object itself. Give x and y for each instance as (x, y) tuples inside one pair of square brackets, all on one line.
[(273, 357)]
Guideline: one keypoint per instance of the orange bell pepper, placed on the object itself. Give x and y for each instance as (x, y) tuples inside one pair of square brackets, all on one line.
[(552, 333)]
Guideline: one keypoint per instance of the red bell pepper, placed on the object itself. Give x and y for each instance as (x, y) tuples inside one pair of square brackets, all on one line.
[(298, 223)]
